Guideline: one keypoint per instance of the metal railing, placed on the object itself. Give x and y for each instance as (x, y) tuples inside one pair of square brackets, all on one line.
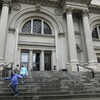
[(5, 71), (84, 66)]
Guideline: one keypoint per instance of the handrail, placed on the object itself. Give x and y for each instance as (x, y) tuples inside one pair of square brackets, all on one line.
[(92, 70), (6, 65), (6, 68), (1, 65), (79, 65)]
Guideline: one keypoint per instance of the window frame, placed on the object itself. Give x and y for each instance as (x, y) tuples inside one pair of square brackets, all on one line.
[(42, 27), (98, 31)]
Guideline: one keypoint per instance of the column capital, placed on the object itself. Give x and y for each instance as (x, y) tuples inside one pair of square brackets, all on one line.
[(6, 2), (85, 12), (68, 9), (30, 49)]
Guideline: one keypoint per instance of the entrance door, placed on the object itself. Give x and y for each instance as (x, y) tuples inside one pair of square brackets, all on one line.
[(47, 61), (36, 61), (25, 58)]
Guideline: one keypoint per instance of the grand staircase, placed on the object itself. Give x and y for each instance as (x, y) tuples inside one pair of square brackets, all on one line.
[(55, 85)]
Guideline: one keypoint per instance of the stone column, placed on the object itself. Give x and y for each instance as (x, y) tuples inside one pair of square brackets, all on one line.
[(30, 59), (3, 27), (88, 38), (42, 61), (53, 59), (71, 39)]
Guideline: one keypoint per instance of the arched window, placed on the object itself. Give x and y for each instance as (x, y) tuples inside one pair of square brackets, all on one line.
[(27, 27), (36, 26), (96, 32), (47, 29)]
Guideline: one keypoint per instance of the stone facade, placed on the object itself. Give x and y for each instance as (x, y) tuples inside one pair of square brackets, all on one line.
[(47, 33)]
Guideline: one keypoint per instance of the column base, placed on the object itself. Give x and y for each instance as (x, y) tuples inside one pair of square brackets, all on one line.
[(73, 65)]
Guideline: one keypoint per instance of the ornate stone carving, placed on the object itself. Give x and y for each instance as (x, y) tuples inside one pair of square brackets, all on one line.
[(16, 7), (85, 12), (38, 7), (68, 9), (58, 12)]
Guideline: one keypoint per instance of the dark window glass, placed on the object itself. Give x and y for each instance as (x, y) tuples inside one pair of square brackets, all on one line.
[(37, 26), (47, 29), (36, 61), (27, 27), (47, 61), (95, 33), (98, 59)]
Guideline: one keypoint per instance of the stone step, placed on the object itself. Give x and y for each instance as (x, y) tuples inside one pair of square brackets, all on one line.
[(50, 97)]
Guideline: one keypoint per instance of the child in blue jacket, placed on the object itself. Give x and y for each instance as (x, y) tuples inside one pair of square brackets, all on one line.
[(14, 82)]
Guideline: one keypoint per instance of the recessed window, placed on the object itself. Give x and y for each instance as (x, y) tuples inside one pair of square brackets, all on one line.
[(36, 26), (98, 59), (96, 32)]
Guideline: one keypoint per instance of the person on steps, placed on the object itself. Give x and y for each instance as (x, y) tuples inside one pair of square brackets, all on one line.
[(23, 72), (14, 81)]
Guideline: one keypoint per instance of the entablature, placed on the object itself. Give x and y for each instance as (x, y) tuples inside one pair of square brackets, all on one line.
[(94, 8), (51, 3)]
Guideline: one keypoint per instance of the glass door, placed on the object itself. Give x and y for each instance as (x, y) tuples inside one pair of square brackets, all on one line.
[(47, 61), (36, 61), (25, 58)]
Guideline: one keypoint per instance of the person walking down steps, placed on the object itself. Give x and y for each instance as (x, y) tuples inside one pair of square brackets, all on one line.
[(14, 82), (23, 72)]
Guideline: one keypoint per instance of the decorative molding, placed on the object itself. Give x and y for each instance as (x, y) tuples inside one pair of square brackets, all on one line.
[(11, 30), (52, 3), (94, 9), (86, 2), (58, 12), (61, 34), (38, 7), (16, 7)]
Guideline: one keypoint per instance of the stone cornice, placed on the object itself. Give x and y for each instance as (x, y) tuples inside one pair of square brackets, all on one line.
[(94, 8), (52, 3), (86, 2)]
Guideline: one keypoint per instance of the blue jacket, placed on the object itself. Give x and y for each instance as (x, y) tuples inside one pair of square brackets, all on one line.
[(23, 71), (13, 79)]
